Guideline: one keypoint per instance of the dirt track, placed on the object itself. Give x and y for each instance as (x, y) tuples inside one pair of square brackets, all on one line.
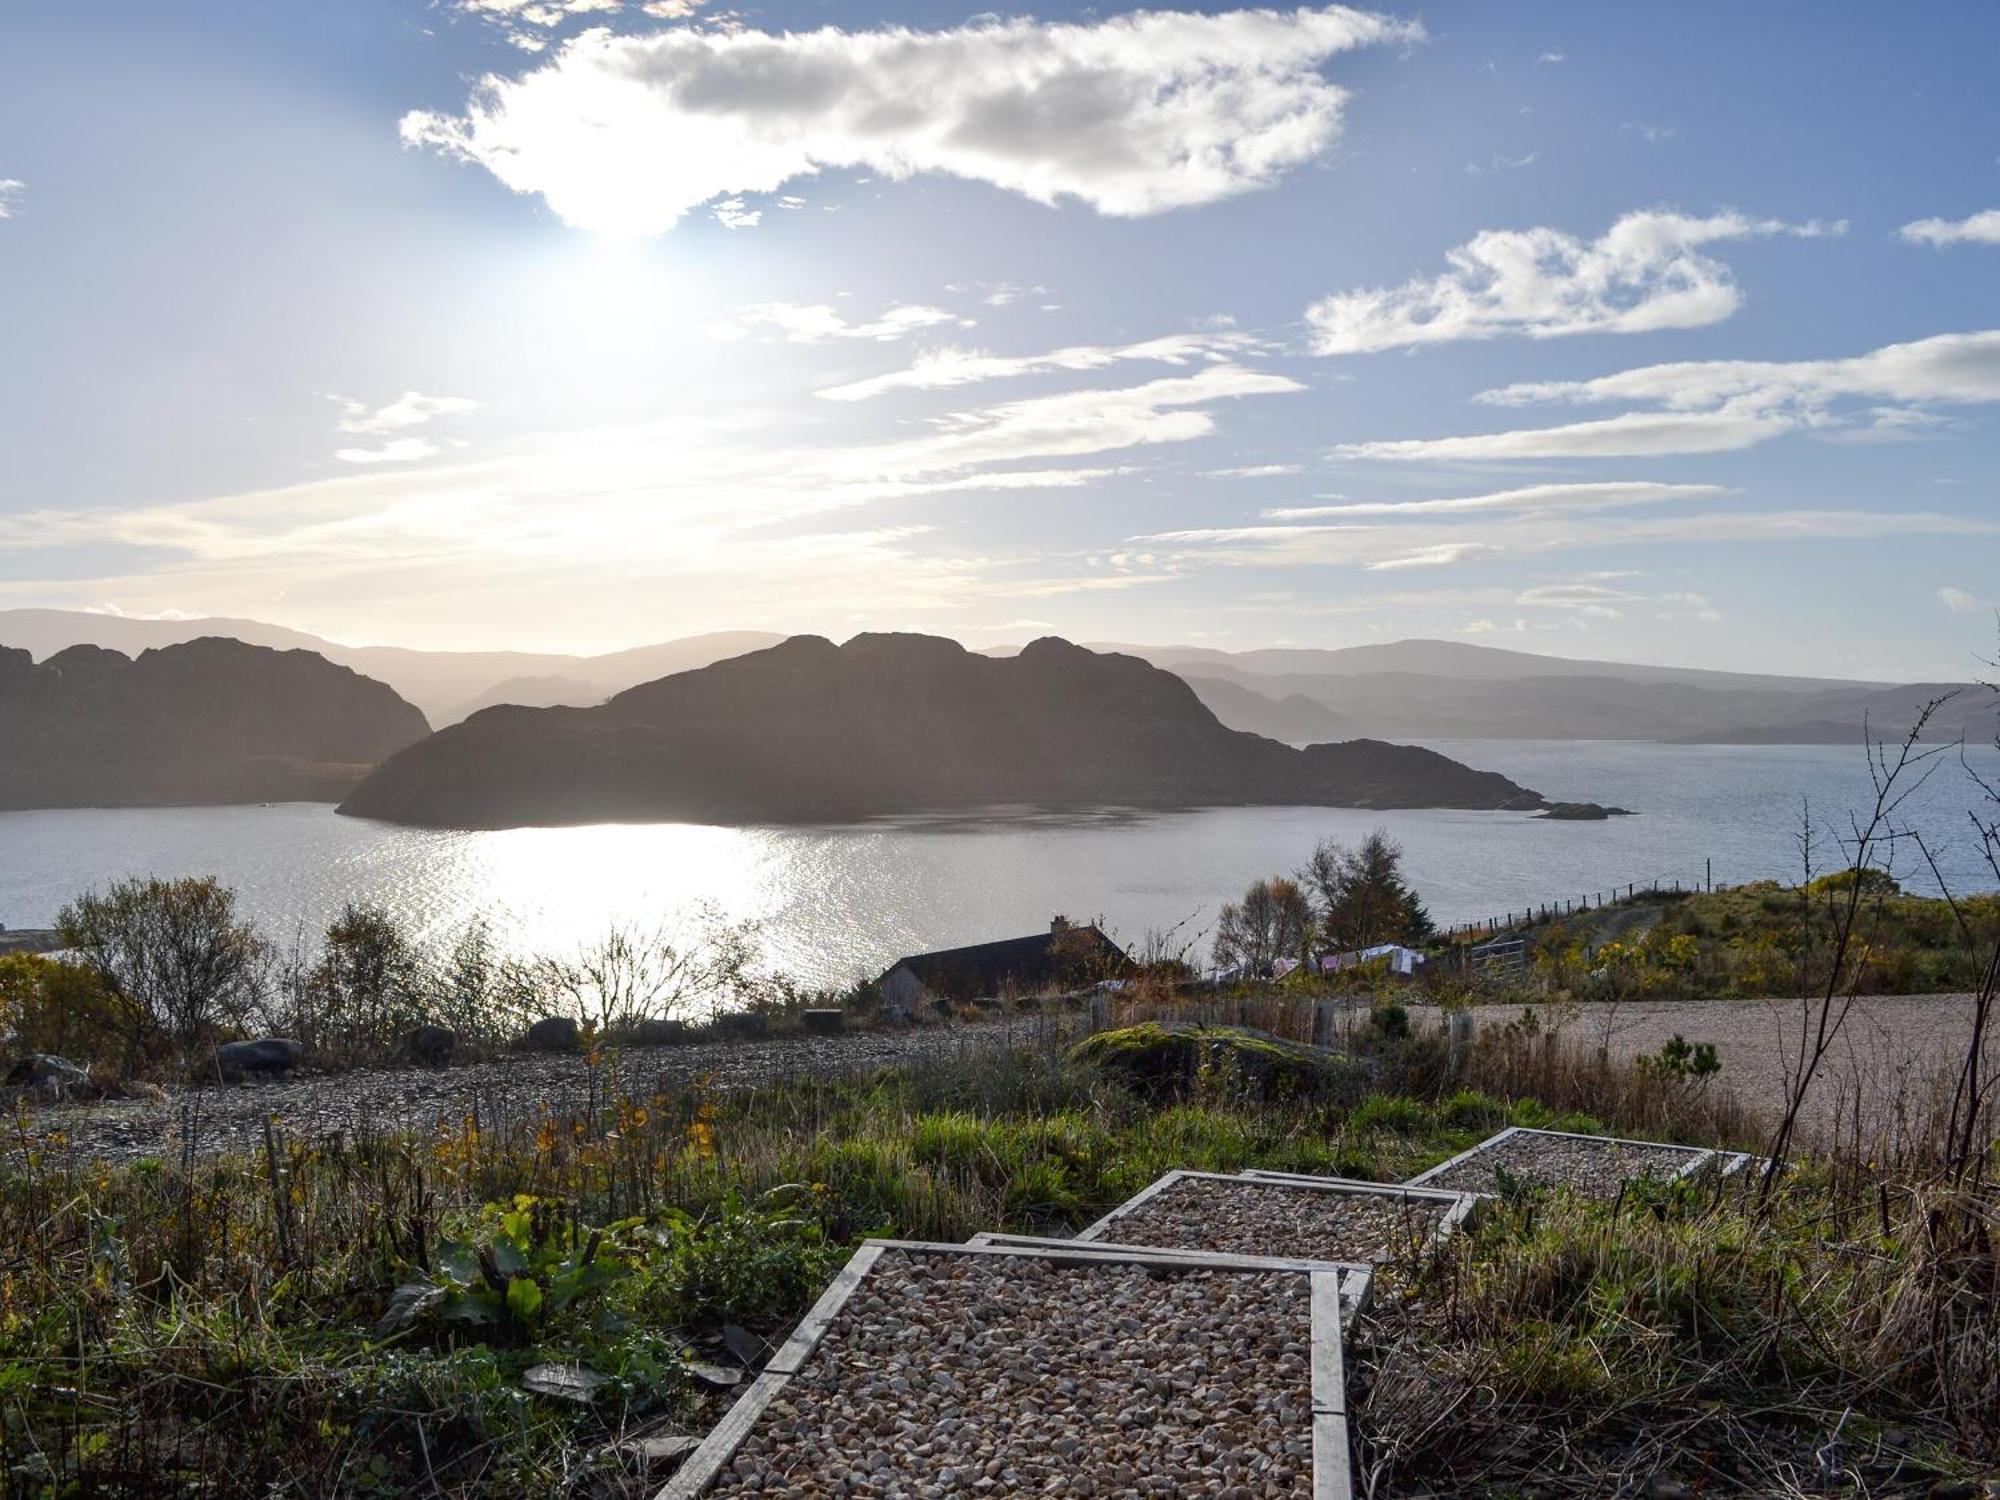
[(1892, 1047)]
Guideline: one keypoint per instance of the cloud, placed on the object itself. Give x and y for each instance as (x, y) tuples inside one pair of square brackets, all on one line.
[(1440, 542), (1441, 555), (1635, 435), (731, 213), (1646, 272), (1552, 57), (1589, 598), (1258, 471), (1138, 114), (1723, 405), (944, 368), (398, 451), (411, 409), (816, 323), (1960, 602), (1535, 497), (1980, 229), (1652, 135), (11, 189)]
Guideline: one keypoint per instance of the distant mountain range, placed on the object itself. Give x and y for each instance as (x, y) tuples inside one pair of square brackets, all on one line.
[(811, 731), (1401, 690), (446, 685), (207, 721)]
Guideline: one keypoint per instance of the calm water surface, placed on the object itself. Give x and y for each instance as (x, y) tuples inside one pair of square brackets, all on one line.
[(835, 901)]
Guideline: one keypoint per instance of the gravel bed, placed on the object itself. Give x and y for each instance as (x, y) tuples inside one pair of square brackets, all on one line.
[(1248, 1218), (1596, 1168), (516, 1086), (949, 1375)]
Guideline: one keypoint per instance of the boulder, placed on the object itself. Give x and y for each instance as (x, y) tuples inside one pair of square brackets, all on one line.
[(52, 1075), (431, 1045), (656, 1032), (554, 1034), (1165, 1059), (270, 1054)]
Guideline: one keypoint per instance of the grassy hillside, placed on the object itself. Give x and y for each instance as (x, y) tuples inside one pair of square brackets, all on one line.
[(359, 1316)]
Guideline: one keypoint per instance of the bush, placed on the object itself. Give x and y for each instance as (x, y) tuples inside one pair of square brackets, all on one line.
[(1171, 1060), (183, 967), (64, 1009)]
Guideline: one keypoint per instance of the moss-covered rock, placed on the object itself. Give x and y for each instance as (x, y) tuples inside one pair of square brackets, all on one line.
[(1169, 1059)]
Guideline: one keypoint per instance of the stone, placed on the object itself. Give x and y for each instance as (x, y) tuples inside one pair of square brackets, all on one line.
[(565, 1382), (658, 1032), (431, 1045), (554, 1034), (54, 1075), (271, 1054)]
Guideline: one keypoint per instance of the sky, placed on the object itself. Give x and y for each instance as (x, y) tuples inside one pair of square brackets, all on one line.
[(1665, 333)]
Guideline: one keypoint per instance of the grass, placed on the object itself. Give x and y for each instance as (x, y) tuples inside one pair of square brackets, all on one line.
[(1763, 939), (356, 1316)]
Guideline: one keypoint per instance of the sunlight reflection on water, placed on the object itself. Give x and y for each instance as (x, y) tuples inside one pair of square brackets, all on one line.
[(835, 901)]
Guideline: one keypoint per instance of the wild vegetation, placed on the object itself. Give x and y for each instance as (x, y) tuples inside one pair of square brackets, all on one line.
[(381, 1315)]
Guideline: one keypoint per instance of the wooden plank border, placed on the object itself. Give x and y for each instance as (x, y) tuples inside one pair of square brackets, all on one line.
[(1333, 1290), (1460, 1204), (1699, 1157)]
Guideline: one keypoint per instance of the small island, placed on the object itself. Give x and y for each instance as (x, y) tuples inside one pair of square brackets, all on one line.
[(808, 731)]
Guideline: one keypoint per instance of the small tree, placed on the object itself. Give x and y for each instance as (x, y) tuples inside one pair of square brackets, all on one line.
[(1273, 921), (370, 985), (181, 963), (1361, 895)]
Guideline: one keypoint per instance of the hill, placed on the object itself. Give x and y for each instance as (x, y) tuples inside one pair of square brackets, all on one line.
[(809, 731), (442, 683), (206, 721)]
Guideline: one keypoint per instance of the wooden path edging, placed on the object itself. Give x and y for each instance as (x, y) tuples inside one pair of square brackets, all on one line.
[(1699, 1156), (1332, 1469), (1461, 1204)]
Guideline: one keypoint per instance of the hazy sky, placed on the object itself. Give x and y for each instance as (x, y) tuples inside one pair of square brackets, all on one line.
[(1663, 332)]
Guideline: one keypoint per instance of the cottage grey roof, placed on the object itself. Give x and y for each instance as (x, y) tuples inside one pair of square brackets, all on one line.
[(982, 968)]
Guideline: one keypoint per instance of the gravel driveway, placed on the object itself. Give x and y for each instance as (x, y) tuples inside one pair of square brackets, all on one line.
[(1893, 1047)]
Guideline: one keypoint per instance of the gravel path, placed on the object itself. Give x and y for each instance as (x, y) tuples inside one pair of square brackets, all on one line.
[(315, 1105), (1248, 1218), (1594, 1167), (1893, 1046), (969, 1375)]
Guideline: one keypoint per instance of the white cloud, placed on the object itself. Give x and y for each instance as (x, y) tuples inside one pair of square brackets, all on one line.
[(411, 409), (1646, 272), (1724, 405), (1980, 229), (1439, 555), (1499, 162), (1553, 57), (11, 189), (1634, 435), (397, 451), (816, 323), (1369, 544), (1591, 598), (731, 213), (1258, 471), (1138, 114), (1535, 497), (1652, 135), (1960, 602), (945, 368)]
